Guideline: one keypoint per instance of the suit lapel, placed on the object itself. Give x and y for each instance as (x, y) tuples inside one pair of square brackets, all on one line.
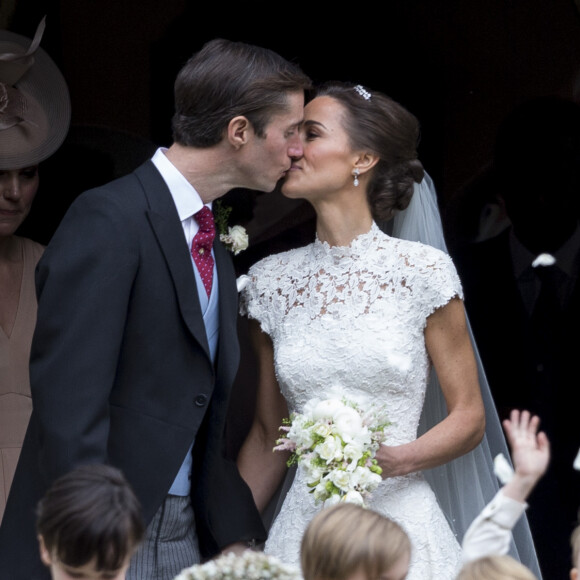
[(166, 225), (227, 280), (228, 304)]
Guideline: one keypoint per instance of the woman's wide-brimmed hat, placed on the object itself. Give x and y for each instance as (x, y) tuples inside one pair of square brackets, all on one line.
[(35, 106)]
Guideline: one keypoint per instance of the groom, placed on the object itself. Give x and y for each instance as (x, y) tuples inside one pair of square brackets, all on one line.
[(135, 349)]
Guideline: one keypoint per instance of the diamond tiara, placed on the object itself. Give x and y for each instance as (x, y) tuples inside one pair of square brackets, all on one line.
[(362, 92)]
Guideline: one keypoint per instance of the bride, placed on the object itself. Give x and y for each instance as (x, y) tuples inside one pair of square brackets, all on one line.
[(381, 318)]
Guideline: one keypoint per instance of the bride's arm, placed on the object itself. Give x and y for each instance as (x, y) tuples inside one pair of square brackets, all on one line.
[(449, 347), (262, 468)]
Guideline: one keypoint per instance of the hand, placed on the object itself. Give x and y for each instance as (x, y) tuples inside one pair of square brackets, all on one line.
[(530, 452), (390, 461), (237, 548)]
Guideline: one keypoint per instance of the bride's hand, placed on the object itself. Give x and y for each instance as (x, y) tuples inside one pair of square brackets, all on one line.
[(390, 459), (237, 548)]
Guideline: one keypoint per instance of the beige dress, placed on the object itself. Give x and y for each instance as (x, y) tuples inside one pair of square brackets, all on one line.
[(15, 401)]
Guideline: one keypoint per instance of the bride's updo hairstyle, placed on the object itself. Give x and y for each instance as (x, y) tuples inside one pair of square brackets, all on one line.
[(377, 123)]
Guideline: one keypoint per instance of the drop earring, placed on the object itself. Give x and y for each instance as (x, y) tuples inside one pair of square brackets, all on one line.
[(356, 173)]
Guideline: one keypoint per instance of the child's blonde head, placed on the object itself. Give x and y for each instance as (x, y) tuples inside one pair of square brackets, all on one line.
[(346, 538), (495, 568)]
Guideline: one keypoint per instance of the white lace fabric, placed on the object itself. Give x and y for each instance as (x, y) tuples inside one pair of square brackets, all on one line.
[(352, 318)]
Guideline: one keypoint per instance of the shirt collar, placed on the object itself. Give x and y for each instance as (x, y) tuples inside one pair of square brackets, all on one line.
[(186, 199)]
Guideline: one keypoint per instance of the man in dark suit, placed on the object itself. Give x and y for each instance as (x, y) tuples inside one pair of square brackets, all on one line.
[(135, 350), (525, 312)]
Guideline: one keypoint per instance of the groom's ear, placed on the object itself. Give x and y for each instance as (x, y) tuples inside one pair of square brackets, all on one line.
[(44, 553), (238, 132), (365, 161)]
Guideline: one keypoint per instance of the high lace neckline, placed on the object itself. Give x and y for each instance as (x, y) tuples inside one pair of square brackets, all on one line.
[(358, 247)]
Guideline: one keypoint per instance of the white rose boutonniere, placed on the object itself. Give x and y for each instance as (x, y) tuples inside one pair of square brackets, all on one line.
[(234, 238)]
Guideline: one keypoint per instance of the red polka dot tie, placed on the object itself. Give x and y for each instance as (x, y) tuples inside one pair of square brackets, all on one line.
[(201, 246)]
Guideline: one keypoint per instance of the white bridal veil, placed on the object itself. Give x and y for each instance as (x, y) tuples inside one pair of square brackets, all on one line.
[(463, 486)]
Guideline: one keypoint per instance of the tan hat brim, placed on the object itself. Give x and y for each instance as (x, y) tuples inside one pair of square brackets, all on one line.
[(48, 109)]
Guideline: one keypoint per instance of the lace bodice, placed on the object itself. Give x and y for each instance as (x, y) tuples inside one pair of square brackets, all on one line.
[(352, 319)]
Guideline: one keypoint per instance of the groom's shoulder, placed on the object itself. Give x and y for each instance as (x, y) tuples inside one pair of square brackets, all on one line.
[(128, 189)]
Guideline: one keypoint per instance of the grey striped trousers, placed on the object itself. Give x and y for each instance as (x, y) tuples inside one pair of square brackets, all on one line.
[(170, 543)]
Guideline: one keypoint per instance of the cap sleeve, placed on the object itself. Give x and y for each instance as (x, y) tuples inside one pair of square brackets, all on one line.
[(255, 300), (442, 282)]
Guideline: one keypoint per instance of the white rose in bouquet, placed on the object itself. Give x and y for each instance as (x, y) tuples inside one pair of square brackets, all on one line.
[(355, 497), (326, 409), (313, 475), (322, 430), (348, 422), (340, 479), (353, 453), (329, 449), (363, 478), (321, 493)]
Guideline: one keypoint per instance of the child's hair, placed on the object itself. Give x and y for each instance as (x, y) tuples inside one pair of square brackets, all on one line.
[(345, 538), (575, 544), (495, 568), (91, 513)]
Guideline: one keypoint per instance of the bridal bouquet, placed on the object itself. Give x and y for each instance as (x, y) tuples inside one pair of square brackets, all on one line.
[(335, 442), (250, 565)]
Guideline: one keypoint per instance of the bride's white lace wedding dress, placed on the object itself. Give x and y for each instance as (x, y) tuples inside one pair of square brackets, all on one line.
[(353, 318)]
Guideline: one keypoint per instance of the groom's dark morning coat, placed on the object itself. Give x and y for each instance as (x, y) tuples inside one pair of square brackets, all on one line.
[(121, 370)]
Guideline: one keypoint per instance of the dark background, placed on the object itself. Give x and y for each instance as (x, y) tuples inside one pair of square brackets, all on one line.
[(459, 65)]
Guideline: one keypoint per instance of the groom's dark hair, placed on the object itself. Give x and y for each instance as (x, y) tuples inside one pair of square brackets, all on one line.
[(226, 79)]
